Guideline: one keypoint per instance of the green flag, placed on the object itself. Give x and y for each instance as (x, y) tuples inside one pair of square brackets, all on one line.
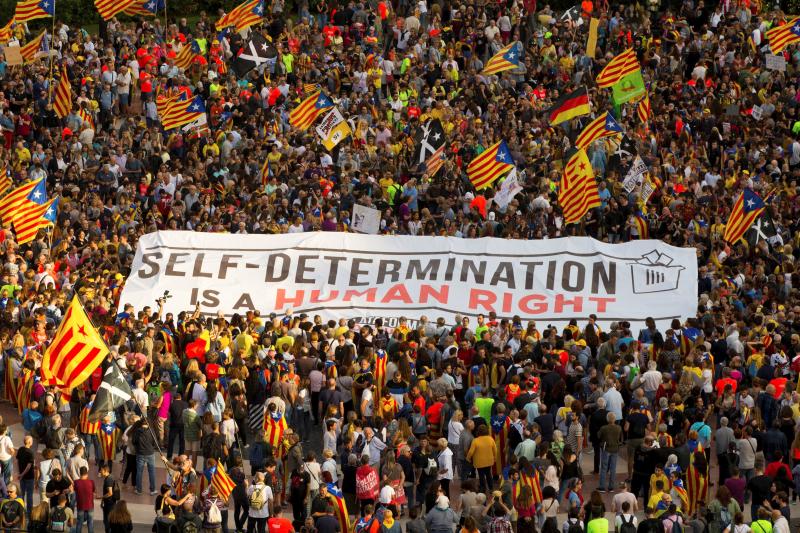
[(629, 88)]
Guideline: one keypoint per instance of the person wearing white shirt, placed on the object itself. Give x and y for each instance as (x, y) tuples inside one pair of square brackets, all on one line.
[(614, 401), (374, 447), (259, 516), (445, 461), (141, 397)]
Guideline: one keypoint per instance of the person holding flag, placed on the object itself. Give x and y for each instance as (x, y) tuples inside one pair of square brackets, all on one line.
[(107, 435)]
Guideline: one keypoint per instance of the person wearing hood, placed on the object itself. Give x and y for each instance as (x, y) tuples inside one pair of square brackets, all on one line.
[(441, 518)]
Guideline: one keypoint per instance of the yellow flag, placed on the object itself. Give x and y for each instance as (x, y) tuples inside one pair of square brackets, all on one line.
[(591, 44)]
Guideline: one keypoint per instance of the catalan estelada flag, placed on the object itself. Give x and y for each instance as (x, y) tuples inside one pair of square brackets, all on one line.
[(569, 106), (780, 37), (222, 482), (619, 67), (24, 389), (643, 110), (602, 126), (490, 165), (62, 96), (745, 211), (339, 506), (181, 113), (640, 223), (76, 351), (531, 479), (108, 434), (243, 16), (28, 223), (689, 338), (31, 49), (577, 192), (274, 426), (307, 111), (683, 496), (145, 8), (86, 426), (500, 425), (109, 9), (380, 372), (34, 9), (187, 54), (696, 486), (16, 199), (507, 58)]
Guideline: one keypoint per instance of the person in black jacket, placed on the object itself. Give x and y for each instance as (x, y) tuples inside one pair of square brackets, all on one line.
[(145, 444), (176, 432)]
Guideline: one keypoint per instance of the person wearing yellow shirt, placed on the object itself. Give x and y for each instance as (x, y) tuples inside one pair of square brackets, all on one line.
[(657, 476), (375, 75), (288, 62), (657, 495), (385, 182), (22, 153), (482, 454), (211, 150), (274, 156)]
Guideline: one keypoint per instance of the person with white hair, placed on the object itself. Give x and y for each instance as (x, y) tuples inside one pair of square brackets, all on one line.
[(445, 460), (723, 439), (441, 519)]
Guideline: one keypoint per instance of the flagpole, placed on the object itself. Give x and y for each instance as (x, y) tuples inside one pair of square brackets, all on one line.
[(50, 51), (166, 21)]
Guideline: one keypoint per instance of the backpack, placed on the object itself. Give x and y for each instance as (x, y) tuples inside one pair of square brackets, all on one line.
[(259, 498), (39, 430), (296, 483), (358, 445), (676, 527), (115, 492), (432, 467), (213, 516), (725, 518), (190, 527), (419, 424), (575, 527), (627, 527), (380, 340), (11, 511), (55, 438), (58, 519), (240, 411), (211, 446), (257, 455)]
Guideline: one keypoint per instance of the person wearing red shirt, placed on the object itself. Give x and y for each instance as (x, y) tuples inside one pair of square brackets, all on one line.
[(84, 500), (278, 524), (726, 380)]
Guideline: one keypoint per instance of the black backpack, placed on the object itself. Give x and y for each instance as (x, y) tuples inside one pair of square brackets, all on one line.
[(575, 527), (58, 519), (55, 438), (627, 527)]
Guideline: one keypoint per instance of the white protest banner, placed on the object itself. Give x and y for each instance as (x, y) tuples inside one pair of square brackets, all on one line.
[(348, 275), (635, 175), (333, 129), (757, 113), (366, 219), (508, 189), (775, 62)]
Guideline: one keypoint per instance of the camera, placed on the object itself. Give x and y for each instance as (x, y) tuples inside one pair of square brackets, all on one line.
[(163, 299)]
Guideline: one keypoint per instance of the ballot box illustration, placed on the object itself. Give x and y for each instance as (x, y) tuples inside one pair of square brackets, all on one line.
[(654, 272)]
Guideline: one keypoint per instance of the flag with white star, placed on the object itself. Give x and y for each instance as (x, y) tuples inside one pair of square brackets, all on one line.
[(489, 165), (762, 229), (780, 37), (507, 58), (77, 349), (181, 113), (430, 145), (745, 211), (255, 52)]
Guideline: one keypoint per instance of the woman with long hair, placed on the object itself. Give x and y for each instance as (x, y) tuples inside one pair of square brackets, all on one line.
[(526, 511), (40, 518), (723, 509), (119, 519), (595, 507)]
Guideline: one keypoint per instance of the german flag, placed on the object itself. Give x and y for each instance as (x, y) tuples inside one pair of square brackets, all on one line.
[(307, 111), (577, 192), (569, 106), (619, 67), (782, 36), (643, 109), (62, 101)]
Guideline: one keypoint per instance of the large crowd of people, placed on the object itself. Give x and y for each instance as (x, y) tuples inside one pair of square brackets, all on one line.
[(482, 425)]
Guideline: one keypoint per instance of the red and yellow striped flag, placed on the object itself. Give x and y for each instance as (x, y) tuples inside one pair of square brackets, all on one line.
[(28, 10), (76, 351), (222, 482), (782, 36), (6, 32), (17, 198), (5, 179), (619, 67), (243, 16), (274, 428), (490, 165), (62, 99), (577, 192), (30, 50), (307, 111), (30, 220), (109, 9), (643, 109)]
